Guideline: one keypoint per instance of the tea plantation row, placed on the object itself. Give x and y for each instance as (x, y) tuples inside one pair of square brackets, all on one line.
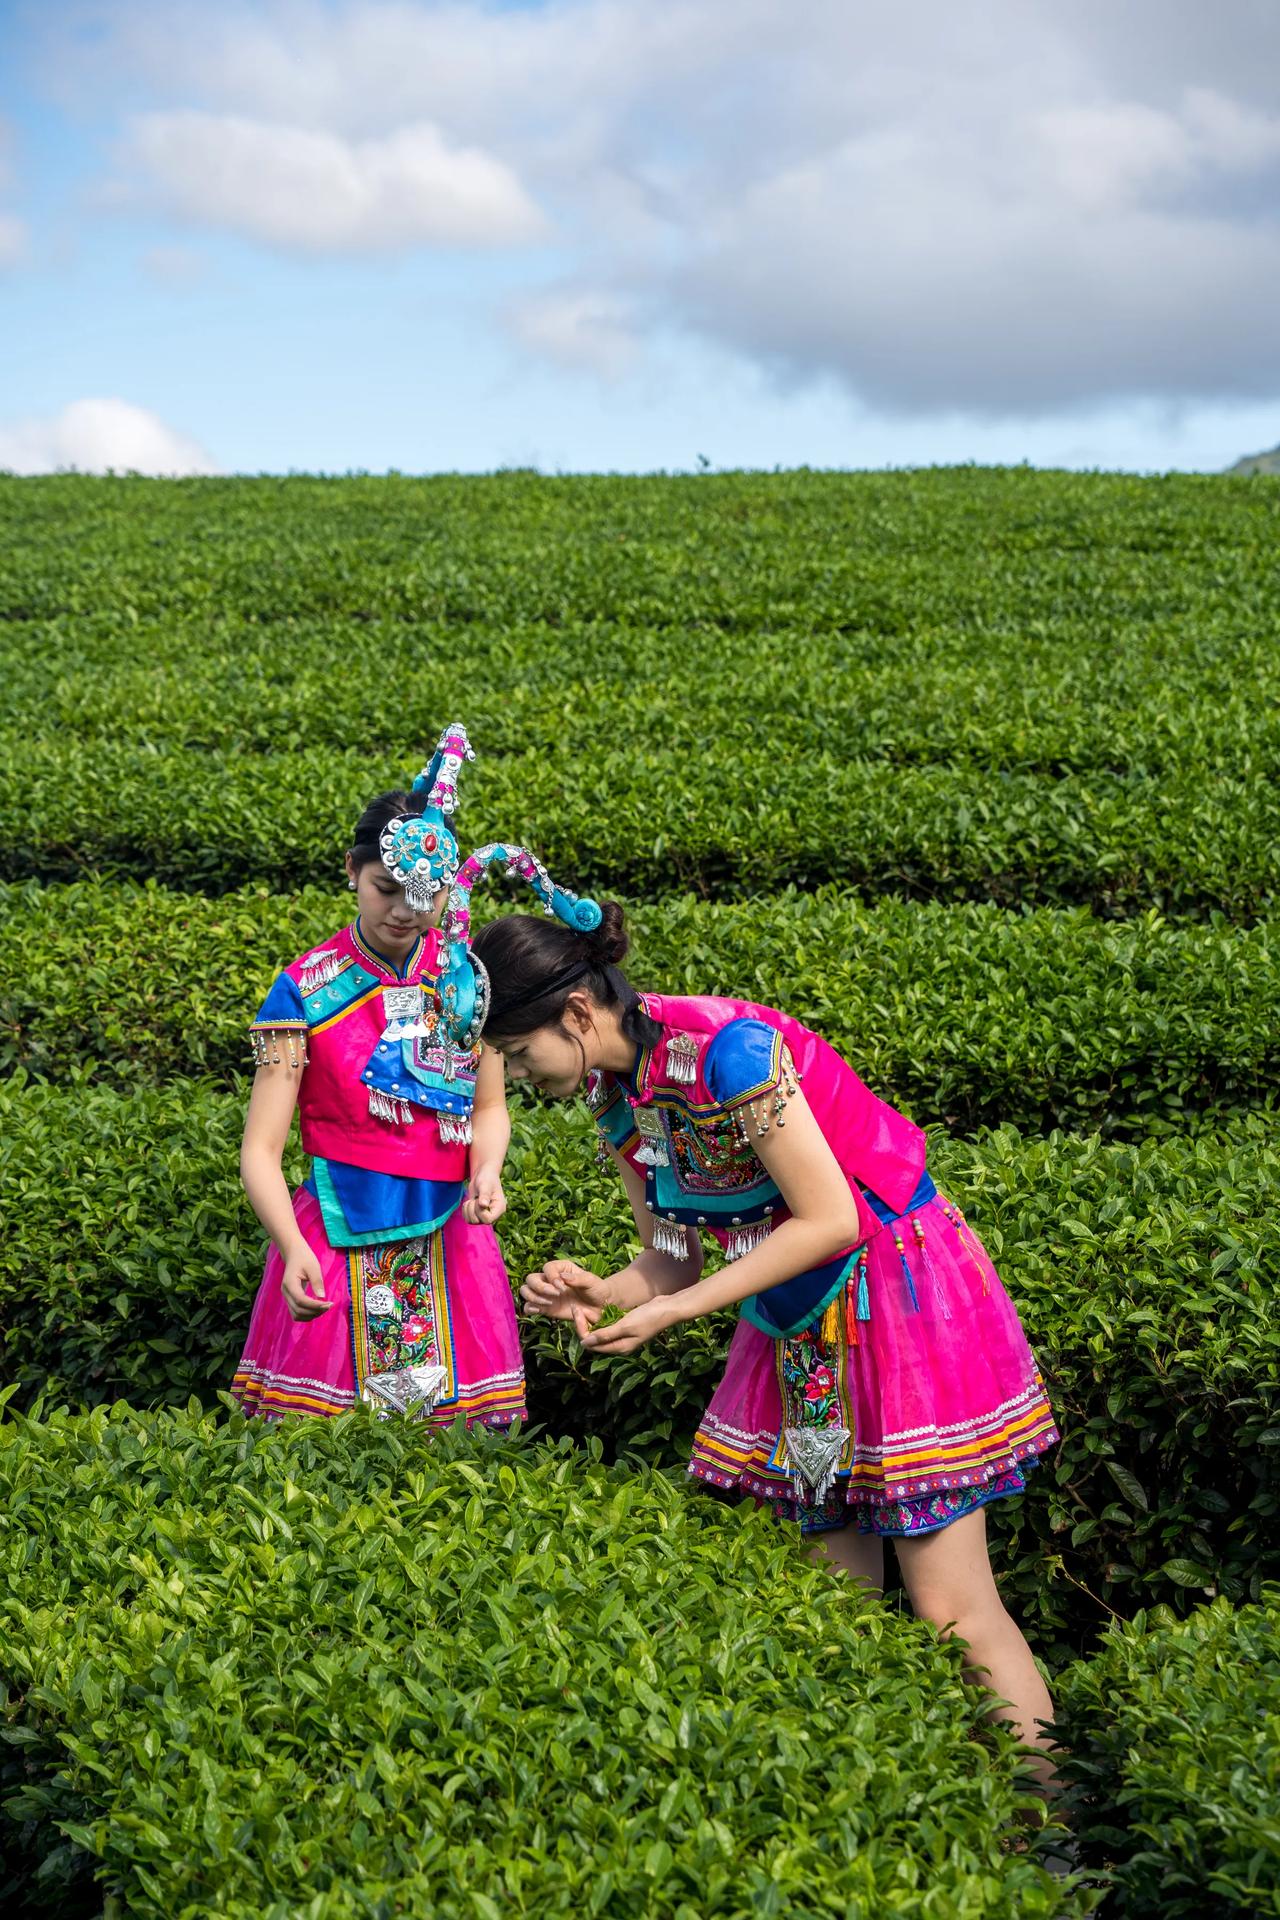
[(1146, 1274), (1142, 702), (265, 1673), (1084, 558), (964, 1015), (340, 1670), (655, 821)]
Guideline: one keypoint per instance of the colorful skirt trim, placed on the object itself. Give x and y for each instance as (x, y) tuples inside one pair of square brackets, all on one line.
[(915, 1398), (433, 1317)]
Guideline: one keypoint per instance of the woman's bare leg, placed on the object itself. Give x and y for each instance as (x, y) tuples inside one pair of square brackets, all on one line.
[(948, 1579), (860, 1555)]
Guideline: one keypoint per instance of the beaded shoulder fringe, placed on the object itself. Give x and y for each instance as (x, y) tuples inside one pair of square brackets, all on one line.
[(787, 1088), (266, 1043)]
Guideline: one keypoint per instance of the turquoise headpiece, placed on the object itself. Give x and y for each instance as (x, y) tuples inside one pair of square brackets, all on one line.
[(463, 987), (419, 849)]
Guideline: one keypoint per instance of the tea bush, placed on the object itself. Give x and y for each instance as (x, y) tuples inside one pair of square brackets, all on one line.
[(960, 1014), (658, 820), (1023, 703), (975, 771), (964, 559), (338, 1669), (1146, 1277), (1173, 1766)]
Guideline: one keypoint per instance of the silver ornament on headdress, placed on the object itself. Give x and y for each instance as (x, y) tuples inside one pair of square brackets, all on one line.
[(418, 849), (464, 989)]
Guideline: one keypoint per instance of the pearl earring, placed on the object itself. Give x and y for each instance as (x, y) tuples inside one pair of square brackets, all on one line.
[(351, 886)]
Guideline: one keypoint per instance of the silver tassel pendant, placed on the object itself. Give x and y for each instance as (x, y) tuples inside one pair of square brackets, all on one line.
[(745, 1240), (682, 1060), (595, 1094), (669, 1237), (321, 970), (403, 1010), (652, 1151), (455, 1129), (385, 1106)]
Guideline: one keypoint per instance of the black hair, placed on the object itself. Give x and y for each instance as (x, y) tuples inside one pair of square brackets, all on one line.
[(379, 814), (535, 964)]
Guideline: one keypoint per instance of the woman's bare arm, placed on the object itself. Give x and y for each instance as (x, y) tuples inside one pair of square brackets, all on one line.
[(823, 1221)]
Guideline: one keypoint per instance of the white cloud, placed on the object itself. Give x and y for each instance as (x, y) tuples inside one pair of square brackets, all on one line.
[(13, 240), (93, 435), (314, 191), (578, 328), (180, 269), (1000, 206), (13, 231), (1070, 283)]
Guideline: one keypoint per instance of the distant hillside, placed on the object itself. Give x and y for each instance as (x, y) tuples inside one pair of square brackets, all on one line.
[(1258, 463)]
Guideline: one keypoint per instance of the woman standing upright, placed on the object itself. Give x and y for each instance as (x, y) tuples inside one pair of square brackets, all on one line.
[(384, 1280)]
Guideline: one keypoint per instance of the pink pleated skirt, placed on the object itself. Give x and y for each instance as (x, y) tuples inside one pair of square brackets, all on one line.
[(933, 1386), (462, 1318)]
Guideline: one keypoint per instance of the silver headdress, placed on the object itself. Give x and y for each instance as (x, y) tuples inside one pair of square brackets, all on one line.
[(463, 988), (419, 849)]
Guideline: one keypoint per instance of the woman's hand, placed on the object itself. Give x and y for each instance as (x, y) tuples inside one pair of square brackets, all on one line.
[(485, 1201), (302, 1270), (635, 1328), (562, 1290)]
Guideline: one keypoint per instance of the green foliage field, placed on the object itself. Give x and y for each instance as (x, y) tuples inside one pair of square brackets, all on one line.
[(342, 1671), (975, 771)]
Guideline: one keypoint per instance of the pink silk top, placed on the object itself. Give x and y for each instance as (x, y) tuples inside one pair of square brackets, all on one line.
[(715, 1058), (370, 1096)]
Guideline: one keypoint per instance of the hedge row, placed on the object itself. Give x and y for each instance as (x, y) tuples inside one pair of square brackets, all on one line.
[(1146, 1275), (650, 820), (340, 1671), (1133, 703), (1174, 1769), (985, 552), (964, 1014)]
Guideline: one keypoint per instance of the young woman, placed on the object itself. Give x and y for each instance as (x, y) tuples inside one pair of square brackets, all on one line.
[(384, 1281), (878, 1384)]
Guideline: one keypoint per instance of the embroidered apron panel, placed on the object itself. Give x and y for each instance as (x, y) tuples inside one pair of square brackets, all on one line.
[(817, 1438), (402, 1342)]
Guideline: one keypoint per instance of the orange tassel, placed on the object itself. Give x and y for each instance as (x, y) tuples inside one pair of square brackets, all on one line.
[(967, 1244), (961, 1225), (850, 1317)]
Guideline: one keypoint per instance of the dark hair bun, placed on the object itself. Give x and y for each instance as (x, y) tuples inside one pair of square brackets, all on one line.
[(607, 945), (379, 813)]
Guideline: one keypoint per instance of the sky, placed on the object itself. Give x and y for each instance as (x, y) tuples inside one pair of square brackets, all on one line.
[(637, 235)]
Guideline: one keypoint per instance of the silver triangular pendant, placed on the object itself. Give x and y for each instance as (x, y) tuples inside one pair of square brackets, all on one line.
[(403, 1387), (815, 1453)]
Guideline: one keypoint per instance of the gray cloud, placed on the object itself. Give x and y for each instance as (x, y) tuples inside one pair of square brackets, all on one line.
[(995, 206)]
